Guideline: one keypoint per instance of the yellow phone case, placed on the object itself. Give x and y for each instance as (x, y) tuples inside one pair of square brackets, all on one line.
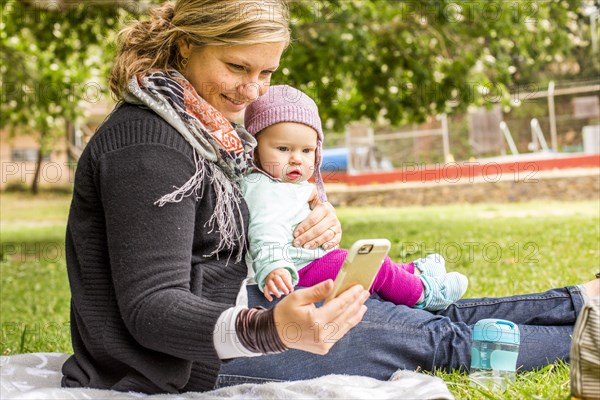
[(361, 265)]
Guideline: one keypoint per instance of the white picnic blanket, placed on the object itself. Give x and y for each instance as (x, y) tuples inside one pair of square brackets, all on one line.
[(37, 376)]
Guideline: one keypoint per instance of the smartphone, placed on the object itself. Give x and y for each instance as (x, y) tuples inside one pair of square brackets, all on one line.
[(361, 265)]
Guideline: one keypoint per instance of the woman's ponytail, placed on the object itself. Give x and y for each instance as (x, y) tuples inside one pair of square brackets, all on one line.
[(144, 45)]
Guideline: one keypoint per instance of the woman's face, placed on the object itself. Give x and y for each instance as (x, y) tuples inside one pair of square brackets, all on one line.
[(231, 77)]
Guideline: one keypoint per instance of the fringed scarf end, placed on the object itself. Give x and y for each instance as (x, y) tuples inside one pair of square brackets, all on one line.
[(223, 219)]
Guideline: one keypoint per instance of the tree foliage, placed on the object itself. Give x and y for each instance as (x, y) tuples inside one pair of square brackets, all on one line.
[(384, 60), (53, 66), (400, 61)]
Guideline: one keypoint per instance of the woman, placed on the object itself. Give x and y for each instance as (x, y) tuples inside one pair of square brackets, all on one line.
[(157, 228)]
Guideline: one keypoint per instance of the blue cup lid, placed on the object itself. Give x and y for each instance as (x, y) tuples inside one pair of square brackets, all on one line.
[(496, 331)]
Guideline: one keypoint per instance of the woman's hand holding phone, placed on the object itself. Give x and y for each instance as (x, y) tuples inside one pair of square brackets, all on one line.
[(303, 326)]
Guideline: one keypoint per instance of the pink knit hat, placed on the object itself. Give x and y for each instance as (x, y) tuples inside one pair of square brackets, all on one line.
[(283, 103)]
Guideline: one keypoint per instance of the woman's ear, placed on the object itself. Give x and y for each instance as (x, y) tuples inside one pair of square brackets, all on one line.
[(184, 48)]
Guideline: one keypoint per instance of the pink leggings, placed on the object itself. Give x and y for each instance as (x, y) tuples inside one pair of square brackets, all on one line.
[(394, 282)]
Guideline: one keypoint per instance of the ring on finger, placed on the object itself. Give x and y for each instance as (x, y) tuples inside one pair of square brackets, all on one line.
[(333, 231)]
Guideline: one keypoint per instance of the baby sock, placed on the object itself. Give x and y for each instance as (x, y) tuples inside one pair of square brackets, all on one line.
[(441, 291), (432, 265)]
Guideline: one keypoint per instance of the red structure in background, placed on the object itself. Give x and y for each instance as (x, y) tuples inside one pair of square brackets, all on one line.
[(491, 170)]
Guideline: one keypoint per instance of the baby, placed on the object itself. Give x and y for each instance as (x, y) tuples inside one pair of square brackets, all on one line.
[(288, 130)]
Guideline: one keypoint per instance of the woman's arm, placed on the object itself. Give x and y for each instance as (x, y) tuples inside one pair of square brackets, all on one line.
[(150, 251), (296, 323)]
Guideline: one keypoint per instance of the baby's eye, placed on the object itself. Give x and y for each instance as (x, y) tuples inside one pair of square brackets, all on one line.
[(308, 150), (282, 148)]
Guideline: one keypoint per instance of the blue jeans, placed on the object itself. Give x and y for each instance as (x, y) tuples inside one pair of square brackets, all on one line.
[(392, 337)]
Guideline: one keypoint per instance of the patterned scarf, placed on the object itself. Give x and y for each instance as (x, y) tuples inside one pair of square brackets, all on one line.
[(227, 147)]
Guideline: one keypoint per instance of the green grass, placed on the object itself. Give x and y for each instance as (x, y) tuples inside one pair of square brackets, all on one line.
[(34, 307), (503, 248), (551, 382)]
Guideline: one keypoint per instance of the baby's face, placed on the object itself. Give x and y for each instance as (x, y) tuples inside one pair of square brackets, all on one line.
[(287, 151)]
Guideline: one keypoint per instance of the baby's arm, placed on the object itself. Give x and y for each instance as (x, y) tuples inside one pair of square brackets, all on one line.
[(277, 282), (270, 229)]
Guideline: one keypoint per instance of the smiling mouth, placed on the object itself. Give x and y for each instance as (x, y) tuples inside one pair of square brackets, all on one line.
[(237, 103)]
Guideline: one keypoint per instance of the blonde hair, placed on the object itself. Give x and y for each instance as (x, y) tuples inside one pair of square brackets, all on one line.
[(153, 43)]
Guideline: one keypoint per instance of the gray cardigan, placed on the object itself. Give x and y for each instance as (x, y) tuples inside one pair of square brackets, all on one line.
[(145, 298)]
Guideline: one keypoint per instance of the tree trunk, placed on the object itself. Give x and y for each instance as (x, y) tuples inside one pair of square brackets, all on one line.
[(36, 176), (70, 135)]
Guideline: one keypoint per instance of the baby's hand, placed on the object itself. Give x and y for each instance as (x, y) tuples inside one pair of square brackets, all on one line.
[(279, 280)]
